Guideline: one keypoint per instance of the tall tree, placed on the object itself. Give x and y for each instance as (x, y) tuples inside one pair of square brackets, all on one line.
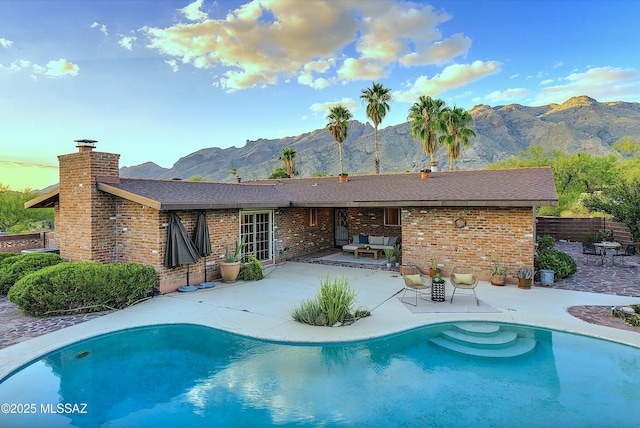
[(455, 125), (288, 158), (338, 125), (377, 99), (425, 116)]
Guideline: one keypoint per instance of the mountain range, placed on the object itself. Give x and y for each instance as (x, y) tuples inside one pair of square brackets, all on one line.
[(580, 124)]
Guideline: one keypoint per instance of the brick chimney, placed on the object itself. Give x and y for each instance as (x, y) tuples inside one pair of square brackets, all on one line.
[(84, 221)]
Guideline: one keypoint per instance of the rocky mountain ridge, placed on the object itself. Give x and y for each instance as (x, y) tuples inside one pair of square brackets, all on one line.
[(581, 124)]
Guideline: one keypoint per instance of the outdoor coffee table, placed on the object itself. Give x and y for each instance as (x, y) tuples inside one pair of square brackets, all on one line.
[(373, 251)]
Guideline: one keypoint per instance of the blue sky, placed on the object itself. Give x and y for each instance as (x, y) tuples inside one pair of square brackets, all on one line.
[(155, 80)]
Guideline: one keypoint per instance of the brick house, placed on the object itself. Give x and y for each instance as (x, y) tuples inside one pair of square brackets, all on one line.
[(460, 217)]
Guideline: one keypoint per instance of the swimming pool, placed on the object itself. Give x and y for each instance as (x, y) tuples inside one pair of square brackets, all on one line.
[(188, 375)]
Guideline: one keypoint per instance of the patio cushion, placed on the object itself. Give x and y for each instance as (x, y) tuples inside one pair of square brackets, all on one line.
[(464, 278), (415, 279), (364, 239), (392, 240), (376, 240)]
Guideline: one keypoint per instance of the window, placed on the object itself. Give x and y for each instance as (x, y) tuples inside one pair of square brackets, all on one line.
[(312, 217), (392, 216), (255, 231)]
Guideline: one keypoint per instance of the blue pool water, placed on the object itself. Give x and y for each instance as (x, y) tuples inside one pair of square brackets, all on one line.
[(186, 375)]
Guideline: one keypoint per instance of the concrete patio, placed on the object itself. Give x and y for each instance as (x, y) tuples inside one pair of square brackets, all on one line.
[(261, 309)]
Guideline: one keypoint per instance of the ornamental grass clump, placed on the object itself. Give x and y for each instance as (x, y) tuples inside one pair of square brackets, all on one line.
[(333, 305)]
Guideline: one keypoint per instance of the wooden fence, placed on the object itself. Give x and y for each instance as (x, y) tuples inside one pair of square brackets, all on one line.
[(578, 229)]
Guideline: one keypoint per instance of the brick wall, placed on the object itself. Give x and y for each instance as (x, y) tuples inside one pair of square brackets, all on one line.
[(489, 232), (297, 236), (83, 226), (370, 221)]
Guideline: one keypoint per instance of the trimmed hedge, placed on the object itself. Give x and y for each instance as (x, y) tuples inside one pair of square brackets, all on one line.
[(5, 255), (15, 267), (80, 287)]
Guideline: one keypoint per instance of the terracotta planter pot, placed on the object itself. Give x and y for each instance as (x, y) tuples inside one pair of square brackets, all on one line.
[(524, 283), (498, 279), (433, 272), (229, 271), (343, 177)]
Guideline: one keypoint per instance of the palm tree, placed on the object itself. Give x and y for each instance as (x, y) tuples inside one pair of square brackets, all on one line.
[(288, 158), (377, 99), (425, 116), (339, 118), (455, 124)]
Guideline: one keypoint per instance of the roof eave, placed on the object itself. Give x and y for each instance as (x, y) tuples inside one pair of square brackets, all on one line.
[(47, 200)]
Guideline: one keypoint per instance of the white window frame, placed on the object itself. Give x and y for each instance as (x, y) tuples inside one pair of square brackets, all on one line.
[(265, 240)]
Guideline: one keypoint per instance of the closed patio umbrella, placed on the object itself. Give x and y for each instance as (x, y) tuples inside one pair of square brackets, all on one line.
[(202, 242), (180, 249)]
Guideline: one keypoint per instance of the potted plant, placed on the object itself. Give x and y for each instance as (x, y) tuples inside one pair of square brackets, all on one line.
[(498, 273), (397, 253), (230, 267), (525, 277), (389, 252), (434, 270)]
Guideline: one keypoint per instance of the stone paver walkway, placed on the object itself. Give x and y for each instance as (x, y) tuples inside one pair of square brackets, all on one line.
[(593, 278)]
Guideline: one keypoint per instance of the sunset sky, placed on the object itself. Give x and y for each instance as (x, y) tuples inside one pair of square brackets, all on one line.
[(155, 80)]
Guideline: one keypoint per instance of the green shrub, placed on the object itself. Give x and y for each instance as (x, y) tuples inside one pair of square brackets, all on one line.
[(251, 268), (332, 305), (547, 257), (82, 287), (16, 267), (546, 242), (5, 255)]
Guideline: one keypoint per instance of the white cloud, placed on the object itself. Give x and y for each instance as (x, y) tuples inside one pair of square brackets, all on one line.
[(60, 68), (54, 68), (546, 82), (452, 76), (173, 64), (5, 43), (601, 83), (193, 11), (101, 27), (511, 94), (127, 42), (322, 109), (264, 41)]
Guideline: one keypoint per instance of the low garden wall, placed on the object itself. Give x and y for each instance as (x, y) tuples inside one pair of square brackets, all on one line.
[(26, 241)]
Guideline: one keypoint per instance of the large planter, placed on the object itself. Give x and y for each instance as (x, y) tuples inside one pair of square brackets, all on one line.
[(498, 279), (524, 283), (546, 276), (433, 272), (229, 271)]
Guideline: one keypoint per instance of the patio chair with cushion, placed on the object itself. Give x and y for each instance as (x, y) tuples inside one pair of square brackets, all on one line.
[(629, 251), (589, 249), (464, 279), (416, 283)]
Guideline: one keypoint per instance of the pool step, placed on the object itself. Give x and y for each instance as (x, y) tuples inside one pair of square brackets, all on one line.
[(484, 340)]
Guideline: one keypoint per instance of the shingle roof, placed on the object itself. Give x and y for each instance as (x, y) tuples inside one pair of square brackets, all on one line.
[(521, 187)]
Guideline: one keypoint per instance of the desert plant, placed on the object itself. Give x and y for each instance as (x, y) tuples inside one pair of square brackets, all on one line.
[(309, 312), (389, 253), (251, 269), (20, 265), (499, 270), (434, 261), (525, 272), (397, 253), (333, 304), (235, 256)]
